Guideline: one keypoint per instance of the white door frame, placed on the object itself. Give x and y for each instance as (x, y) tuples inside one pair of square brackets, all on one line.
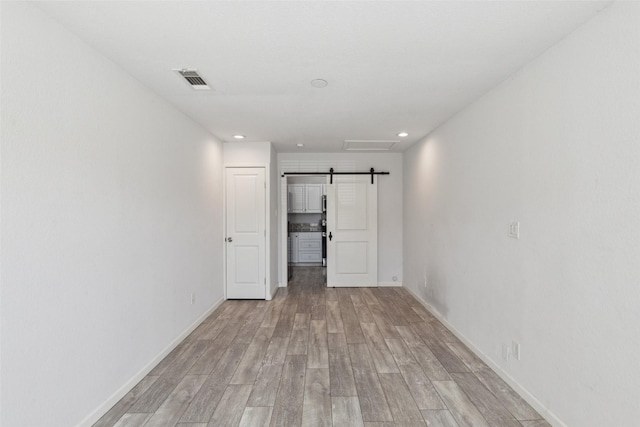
[(284, 258), (283, 195), (267, 177)]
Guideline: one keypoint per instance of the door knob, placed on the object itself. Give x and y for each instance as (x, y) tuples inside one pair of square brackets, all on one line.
[(229, 239), (330, 236)]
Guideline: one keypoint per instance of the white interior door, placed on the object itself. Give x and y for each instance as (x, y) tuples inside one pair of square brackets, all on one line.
[(245, 233), (352, 231)]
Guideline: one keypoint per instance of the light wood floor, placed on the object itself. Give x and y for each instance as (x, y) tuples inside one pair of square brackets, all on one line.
[(317, 356)]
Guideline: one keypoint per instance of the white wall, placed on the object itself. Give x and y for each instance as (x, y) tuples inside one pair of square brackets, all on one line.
[(247, 153), (556, 147), (389, 201), (111, 218)]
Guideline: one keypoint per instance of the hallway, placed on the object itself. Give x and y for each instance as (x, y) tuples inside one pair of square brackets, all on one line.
[(318, 356)]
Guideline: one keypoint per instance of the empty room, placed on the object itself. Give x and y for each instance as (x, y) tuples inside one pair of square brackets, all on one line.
[(319, 213)]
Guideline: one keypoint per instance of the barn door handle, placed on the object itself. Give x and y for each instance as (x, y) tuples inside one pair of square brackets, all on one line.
[(330, 236)]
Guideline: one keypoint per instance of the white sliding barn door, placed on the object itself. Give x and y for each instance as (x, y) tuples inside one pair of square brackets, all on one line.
[(245, 233), (352, 231)]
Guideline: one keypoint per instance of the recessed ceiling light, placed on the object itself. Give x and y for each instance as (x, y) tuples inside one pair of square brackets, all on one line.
[(403, 134), (299, 145), (238, 136), (319, 83)]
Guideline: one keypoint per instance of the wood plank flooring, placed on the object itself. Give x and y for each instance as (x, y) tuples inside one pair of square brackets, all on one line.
[(316, 356)]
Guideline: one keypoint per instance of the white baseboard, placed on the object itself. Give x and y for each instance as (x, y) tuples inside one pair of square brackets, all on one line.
[(389, 284), (524, 393), (119, 394), (272, 292)]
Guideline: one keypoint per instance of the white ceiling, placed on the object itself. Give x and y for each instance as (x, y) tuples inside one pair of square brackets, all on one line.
[(391, 66)]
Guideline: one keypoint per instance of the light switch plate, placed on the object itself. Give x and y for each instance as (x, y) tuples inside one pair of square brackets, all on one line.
[(515, 350), (506, 352)]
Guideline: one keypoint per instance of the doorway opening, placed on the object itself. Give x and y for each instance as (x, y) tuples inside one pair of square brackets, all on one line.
[(306, 229)]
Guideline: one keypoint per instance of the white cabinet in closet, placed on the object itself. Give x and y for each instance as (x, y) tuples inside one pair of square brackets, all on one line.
[(306, 247), (305, 198)]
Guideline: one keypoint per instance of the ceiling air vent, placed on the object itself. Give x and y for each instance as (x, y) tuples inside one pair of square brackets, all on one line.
[(369, 144), (194, 79)]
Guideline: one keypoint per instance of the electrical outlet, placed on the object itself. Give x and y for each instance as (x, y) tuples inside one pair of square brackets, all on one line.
[(193, 298), (514, 229), (515, 350), (506, 352)]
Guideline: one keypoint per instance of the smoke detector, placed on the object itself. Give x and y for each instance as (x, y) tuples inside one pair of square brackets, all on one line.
[(193, 79), (319, 83)]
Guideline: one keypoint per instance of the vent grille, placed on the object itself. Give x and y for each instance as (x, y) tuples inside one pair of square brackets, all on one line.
[(194, 79), (369, 145)]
